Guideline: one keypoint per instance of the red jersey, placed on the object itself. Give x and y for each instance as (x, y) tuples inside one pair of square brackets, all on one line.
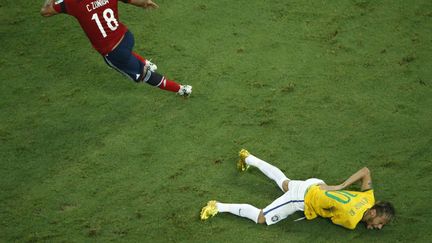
[(99, 20)]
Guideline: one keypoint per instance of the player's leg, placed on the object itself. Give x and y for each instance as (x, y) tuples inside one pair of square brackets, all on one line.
[(242, 210), (146, 62), (269, 170), (122, 60), (278, 210), (160, 81), (139, 69), (287, 204), (155, 79)]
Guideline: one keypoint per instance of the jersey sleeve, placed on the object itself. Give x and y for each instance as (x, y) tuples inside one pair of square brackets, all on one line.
[(60, 6)]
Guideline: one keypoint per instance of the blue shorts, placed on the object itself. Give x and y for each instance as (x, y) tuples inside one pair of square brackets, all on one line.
[(122, 59)]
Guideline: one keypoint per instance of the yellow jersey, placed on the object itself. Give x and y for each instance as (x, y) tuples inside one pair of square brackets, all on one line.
[(344, 208)]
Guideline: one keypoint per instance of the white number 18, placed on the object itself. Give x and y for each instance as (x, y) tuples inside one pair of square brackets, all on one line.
[(110, 19)]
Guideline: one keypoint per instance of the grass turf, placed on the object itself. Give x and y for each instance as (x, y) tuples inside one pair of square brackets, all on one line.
[(318, 88)]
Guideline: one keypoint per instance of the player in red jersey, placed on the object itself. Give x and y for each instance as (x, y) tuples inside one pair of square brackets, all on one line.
[(100, 21)]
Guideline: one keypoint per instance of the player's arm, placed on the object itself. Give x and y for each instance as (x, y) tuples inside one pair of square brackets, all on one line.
[(144, 3), (362, 175), (47, 9)]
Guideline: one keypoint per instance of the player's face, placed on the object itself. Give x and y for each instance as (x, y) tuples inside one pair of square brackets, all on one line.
[(376, 222)]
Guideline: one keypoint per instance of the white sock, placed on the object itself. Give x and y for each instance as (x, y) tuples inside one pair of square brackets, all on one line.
[(269, 170), (242, 210)]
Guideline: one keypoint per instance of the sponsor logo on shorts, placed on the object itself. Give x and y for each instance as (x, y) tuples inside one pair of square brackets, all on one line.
[(275, 218)]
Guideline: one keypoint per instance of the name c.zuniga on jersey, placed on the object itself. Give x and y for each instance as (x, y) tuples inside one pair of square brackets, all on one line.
[(91, 6)]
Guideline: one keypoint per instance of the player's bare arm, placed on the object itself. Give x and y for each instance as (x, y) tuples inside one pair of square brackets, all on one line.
[(144, 3), (362, 175), (47, 9)]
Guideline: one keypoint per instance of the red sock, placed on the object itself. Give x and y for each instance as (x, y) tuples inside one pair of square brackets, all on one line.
[(170, 85), (139, 57)]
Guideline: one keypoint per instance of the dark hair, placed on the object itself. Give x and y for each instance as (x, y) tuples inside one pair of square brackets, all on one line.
[(384, 208)]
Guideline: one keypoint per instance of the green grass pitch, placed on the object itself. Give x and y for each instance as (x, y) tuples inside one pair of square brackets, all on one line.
[(318, 88)]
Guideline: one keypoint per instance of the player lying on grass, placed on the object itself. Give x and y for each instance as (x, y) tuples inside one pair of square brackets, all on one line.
[(313, 196), (100, 21)]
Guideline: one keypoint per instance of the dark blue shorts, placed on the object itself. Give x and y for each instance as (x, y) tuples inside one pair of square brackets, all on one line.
[(122, 59)]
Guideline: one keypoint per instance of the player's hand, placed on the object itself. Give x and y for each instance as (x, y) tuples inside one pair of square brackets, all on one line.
[(150, 4)]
